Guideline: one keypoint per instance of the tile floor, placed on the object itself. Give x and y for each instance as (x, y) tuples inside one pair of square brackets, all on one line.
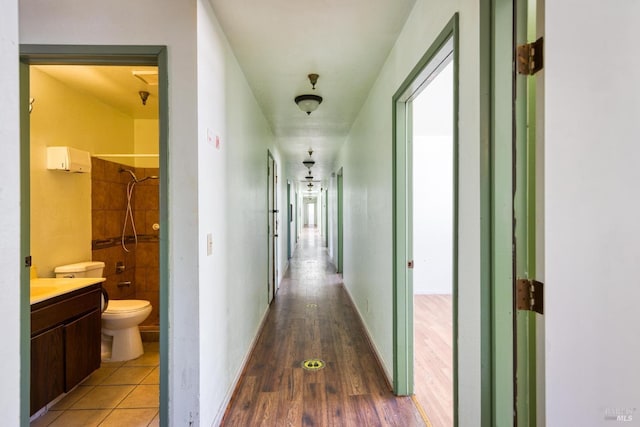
[(117, 394)]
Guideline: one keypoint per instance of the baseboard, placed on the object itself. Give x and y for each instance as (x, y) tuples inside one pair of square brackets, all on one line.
[(240, 373), (387, 375), (284, 272)]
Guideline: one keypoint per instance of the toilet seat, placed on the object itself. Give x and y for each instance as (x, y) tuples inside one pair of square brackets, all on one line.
[(126, 306)]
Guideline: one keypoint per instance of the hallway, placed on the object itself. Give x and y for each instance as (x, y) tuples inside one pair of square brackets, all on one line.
[(313, 318)]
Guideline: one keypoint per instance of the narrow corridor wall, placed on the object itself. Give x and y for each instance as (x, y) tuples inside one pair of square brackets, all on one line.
[(233, 140), (10, 214)]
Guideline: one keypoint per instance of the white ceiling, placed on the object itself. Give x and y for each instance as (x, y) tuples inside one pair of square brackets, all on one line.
[(278, 43)]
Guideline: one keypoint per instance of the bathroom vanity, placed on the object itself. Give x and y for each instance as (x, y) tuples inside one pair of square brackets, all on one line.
[(65, 335)]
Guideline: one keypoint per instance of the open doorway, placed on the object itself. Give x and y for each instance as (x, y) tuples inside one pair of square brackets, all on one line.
[(83, 104), (310, 212), (432, 158)]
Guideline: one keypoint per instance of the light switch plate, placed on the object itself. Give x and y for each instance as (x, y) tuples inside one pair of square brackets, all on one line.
[(209, 244)]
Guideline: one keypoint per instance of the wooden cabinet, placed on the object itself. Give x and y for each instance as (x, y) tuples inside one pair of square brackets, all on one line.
[(47, 367), (65, 343)]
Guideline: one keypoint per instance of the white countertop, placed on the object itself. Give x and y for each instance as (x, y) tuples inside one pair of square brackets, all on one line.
[(44, 288)]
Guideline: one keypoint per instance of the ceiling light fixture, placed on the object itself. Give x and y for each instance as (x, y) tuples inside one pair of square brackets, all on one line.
[(309, 162), (144, 95), (309, 102)]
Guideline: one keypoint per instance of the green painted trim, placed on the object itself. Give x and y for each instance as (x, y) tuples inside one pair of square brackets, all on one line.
[(521, 224), (90, 54), (456, 211), (403, 347), (503, 318), (531, 239), (525, 216), (340, 260), (25, 248), (163, 111), (117, 55), (402, 351), (326, 217), (486, 231), (271, 245), (288, 219)]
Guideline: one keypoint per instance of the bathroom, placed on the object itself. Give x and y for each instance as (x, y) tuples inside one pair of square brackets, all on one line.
[(79, 217)]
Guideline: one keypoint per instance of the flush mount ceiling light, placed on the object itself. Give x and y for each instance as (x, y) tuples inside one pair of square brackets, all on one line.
[(308, 163), (309, 102)]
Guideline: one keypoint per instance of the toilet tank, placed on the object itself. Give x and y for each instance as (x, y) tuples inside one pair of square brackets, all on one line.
[(80, 269)]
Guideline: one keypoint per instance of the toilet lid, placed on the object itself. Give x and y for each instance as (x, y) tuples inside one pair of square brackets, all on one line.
[(126, 305)]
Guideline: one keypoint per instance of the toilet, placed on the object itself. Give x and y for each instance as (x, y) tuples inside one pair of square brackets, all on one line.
[(120, 334)]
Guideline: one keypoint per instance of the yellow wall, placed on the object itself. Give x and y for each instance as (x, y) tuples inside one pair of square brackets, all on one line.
[(61, 201), (146, 137)]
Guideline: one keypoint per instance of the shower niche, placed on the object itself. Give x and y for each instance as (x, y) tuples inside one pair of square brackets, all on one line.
[(125, 230)]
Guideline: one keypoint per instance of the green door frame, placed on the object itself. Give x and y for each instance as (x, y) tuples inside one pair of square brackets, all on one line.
[(271, 228), (512, 204), (442, 50), (289, 219), (94, 55), (524, 217), (25, 247), (501, 205), (340, 260), (326, 217)]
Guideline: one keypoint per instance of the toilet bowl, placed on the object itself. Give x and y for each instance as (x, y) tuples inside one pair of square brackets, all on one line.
[(120, 334)]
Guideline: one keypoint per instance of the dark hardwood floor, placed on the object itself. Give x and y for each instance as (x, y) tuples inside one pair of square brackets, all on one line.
[(312, 318)]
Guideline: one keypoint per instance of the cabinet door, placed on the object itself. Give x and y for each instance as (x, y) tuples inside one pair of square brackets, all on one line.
[(47, 367), (82, 348)]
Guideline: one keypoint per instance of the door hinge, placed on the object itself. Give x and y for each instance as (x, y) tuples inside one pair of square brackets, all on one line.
[(410, 264), (27, 261), (530, 57), (530, 295)]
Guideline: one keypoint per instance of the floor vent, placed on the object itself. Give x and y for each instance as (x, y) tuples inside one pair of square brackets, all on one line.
[(313, 364)]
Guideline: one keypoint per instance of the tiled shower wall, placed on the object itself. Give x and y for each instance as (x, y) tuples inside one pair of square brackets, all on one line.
[(108, 208)]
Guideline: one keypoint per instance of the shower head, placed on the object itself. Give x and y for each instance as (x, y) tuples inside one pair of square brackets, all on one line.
[(133, 175), (135, 178)]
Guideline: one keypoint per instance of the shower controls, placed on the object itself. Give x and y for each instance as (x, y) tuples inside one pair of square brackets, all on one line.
[(120, 267)]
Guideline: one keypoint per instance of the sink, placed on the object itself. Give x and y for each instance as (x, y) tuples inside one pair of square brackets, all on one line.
[(38, 291)]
